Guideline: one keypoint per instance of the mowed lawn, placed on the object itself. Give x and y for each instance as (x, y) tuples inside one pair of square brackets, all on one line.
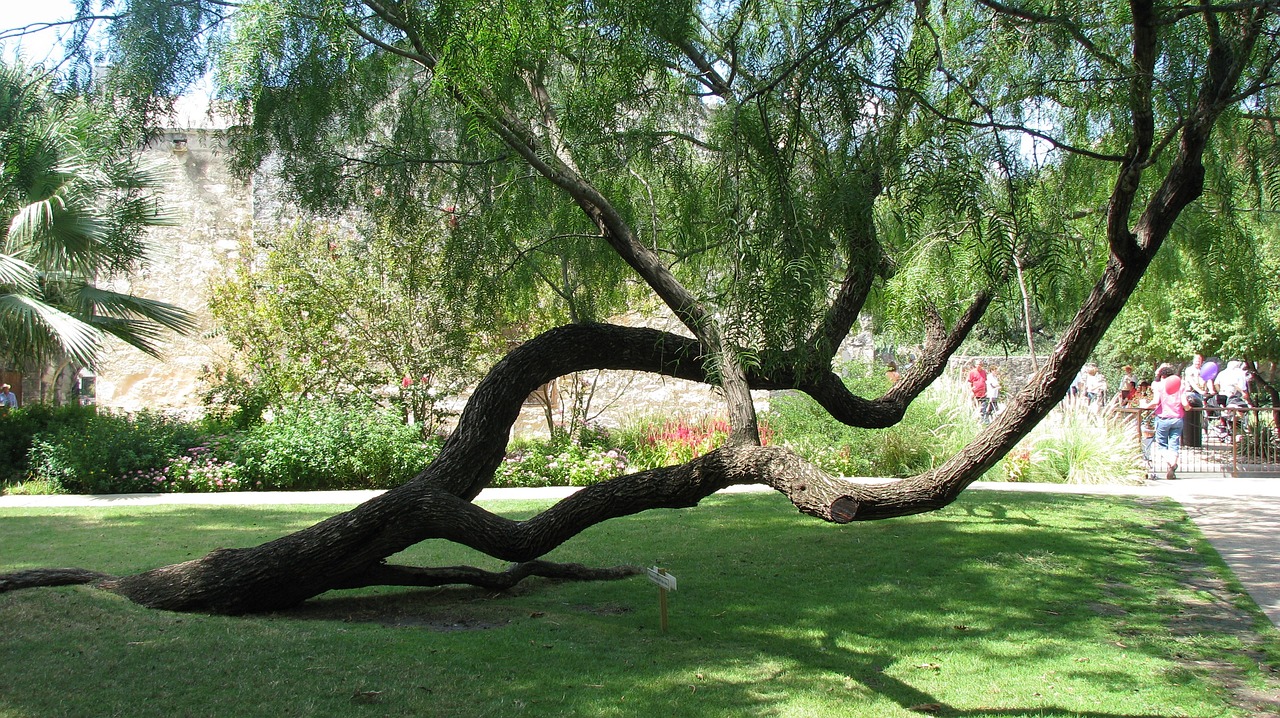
[(1001, 605)]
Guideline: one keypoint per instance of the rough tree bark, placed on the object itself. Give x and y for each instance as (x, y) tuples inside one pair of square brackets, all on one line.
[(349, 550)]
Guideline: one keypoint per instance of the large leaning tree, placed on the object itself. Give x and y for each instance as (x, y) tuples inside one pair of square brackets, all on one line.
[(766, 169)]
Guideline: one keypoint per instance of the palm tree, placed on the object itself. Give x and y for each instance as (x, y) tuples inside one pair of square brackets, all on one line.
[(74, 212)]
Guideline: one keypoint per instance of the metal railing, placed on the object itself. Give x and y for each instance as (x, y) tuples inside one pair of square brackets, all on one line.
[(1234, 441)]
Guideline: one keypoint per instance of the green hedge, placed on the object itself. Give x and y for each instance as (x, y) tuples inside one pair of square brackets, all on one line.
[(319, 445), (310, 445)]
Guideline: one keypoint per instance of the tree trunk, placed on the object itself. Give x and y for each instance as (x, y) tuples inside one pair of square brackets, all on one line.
[(349, 549)]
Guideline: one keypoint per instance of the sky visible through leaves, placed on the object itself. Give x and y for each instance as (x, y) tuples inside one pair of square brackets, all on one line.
[(38, 47)]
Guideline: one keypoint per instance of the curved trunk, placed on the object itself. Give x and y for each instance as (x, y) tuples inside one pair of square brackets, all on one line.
[(350, 549)]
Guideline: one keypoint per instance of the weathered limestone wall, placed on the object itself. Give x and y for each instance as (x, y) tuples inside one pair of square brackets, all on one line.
[(214, 213)]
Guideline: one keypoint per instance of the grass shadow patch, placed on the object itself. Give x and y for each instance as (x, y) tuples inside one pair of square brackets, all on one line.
[(1001, 605)]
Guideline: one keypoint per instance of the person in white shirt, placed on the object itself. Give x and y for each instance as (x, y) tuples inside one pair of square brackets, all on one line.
[(1191, 378)]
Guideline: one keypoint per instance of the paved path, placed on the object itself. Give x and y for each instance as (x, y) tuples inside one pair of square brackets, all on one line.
[(1240, 517)]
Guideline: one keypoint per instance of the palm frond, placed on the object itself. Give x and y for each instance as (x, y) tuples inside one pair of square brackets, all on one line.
[(19, 274), (102, 303), (35, 329), (137, 333), (32, 220)]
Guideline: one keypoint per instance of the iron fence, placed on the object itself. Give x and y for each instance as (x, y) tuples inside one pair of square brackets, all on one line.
[(1236, 441)]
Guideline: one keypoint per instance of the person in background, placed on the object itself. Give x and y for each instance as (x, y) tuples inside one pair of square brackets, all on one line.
[(1170, 407), (1195, 387), (1191, 379), (1077, 387), (1233, 392), (993, 390), (978, 386), (1128, 385), (1142, 396), (892, 374), (1233, 382), (7, 398), (1095, 386)]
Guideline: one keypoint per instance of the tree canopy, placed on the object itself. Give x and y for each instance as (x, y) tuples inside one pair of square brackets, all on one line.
[(767, 170)]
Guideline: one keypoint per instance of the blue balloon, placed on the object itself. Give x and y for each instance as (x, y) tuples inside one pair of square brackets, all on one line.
[(1208, 371)]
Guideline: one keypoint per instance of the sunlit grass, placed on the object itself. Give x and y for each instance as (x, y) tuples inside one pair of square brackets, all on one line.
[(1002, 605)]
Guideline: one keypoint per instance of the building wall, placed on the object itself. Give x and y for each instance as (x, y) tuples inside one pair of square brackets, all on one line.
[(214, 214)]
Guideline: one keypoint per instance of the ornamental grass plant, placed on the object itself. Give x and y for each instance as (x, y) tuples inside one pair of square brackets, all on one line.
[(934, 427), (1076, 446)]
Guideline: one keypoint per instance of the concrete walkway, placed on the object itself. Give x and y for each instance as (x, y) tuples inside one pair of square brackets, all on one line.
[(1240, 517)]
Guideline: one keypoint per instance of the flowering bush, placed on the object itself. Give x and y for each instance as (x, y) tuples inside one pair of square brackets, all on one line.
[(662, 442), (100, 453), (558, 463), (1017, 464), (197, 470)]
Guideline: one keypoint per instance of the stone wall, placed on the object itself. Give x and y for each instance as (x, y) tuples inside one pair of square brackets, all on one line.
[(214, 214)]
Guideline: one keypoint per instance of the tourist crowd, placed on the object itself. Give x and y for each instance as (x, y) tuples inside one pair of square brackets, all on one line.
[(1215, 393)]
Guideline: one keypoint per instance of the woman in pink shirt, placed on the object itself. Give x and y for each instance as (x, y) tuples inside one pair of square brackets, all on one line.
[(1170, 406)]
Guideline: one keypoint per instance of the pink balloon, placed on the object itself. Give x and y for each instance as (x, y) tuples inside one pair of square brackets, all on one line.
[(1172, 384), (1208, 371)]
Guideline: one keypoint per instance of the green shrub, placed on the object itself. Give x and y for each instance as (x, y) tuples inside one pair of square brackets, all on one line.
[(18, 427), (90, 452), (323, 444), (558, 462), (934, 426)]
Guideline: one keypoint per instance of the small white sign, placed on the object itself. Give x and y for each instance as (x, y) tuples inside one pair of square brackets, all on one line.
[(664, 580)]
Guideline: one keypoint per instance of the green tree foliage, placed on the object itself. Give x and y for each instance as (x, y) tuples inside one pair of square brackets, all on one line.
[(765, 169), (75, 211), (318, 310), (1216, 292)]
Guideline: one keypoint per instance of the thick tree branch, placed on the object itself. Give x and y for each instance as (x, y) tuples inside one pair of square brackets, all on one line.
[(391, 575), (1123, 242), (41, 577)]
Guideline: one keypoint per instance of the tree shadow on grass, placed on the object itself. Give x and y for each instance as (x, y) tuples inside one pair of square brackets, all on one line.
[(784, 601), (1041, 577)]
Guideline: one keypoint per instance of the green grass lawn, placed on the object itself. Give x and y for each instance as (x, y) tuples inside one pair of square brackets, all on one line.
[(1002, 605)]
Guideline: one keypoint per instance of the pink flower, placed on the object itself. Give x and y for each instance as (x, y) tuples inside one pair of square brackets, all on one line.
[(406, 382)]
